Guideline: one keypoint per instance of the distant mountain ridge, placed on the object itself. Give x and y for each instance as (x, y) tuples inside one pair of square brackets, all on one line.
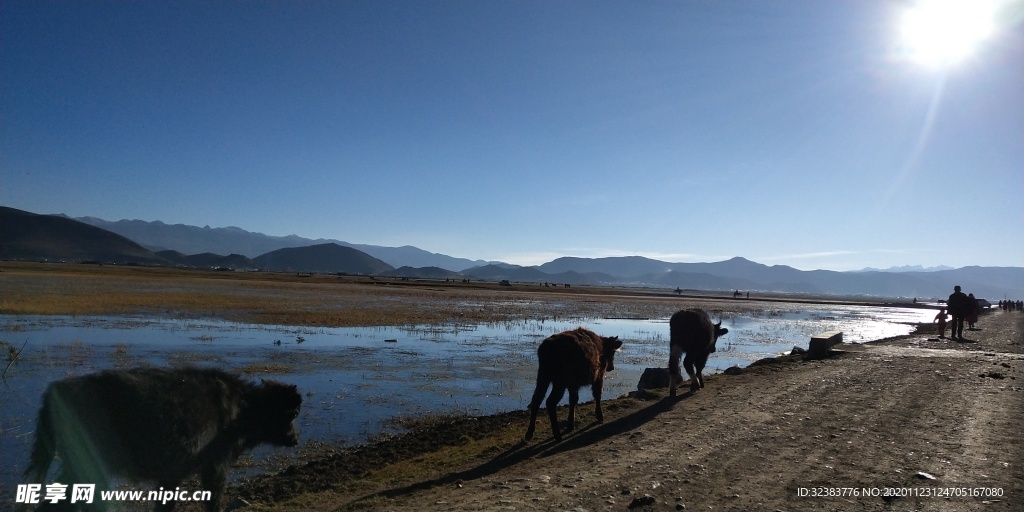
[(158, 236), (209, 260), (25, 235), (742, 274), (329, 257), (58, 238)]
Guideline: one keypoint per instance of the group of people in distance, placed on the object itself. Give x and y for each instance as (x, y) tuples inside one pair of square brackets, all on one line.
[(1010, 305), (962, 308)]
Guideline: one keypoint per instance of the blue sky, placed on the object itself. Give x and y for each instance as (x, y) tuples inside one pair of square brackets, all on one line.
[(800, 133)]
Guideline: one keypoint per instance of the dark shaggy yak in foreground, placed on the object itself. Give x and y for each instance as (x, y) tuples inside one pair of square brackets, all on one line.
[(691, 331), (159, 425), (571, 360)]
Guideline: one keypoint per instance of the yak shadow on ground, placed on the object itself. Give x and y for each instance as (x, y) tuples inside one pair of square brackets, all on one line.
[(578, 438), (596, 432)]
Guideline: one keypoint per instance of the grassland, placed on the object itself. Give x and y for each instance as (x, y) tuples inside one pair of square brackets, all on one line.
[(318, 300)]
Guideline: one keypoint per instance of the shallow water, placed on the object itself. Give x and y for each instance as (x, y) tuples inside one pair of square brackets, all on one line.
[(355, 379)]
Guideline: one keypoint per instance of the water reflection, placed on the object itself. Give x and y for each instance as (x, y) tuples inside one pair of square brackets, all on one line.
[(353, 379)]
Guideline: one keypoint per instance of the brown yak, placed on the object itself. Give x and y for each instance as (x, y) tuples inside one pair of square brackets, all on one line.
[(571, 360), (691, 331)]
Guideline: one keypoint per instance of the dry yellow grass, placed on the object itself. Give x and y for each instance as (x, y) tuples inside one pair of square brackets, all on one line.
[(287, 299)]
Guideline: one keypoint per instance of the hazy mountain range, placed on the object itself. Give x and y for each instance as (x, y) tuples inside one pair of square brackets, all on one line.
[(158, 236), (29, 236)]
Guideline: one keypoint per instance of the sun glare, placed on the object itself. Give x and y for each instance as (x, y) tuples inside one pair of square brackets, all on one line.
[(941, 33)]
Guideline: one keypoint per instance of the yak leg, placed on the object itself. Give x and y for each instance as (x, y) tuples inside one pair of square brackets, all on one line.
[(538, 397), (596, 390), (695, 368), (574, 398), (674, 375), (557, 391), (700, 363), (213, 478), (695, 377), (168, 506)]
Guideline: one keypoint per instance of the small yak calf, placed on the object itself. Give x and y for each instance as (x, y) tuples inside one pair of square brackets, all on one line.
[(571, 360), (691, 331), (159, 425)]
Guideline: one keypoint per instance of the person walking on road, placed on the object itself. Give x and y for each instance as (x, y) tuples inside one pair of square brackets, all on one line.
[(958, 305), (973, 310)]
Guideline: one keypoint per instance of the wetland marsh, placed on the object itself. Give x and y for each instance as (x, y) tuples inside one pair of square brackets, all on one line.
[(476, 355)]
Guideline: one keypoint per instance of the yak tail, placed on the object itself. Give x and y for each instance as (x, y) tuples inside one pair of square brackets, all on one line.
[(45, 445)]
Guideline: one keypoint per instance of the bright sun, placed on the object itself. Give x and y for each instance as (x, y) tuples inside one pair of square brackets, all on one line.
[(941, 33)]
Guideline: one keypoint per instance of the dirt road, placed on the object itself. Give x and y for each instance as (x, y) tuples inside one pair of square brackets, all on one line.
[(915, 423)]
